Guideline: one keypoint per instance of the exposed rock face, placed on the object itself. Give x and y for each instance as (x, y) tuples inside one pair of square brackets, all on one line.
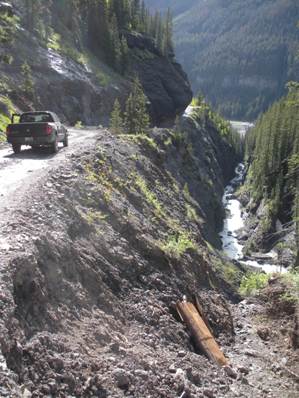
[(61, 84), (85, 91), (164, 81), (206, 163)]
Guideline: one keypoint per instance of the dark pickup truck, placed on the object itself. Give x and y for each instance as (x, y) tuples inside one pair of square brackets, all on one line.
[(36, 129)]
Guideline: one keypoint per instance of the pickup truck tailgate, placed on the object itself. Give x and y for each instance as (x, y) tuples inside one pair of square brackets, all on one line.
[(28, 129)]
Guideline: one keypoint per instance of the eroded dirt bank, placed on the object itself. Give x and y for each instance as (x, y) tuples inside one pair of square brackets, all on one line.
[(97, 252)]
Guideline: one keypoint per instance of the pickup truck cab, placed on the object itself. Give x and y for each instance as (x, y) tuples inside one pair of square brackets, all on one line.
[(36, 129)]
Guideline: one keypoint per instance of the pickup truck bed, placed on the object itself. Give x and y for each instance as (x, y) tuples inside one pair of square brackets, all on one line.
[(37, 129)]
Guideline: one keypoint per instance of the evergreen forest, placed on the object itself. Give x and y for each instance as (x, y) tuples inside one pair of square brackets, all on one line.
[(101, 25), (272, 149), (238, 54)]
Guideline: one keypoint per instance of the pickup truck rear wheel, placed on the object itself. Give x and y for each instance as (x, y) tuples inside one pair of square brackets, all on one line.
[(55, 145), (16, 148), (66, 140)]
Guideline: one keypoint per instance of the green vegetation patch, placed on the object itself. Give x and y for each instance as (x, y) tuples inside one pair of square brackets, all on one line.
[(8, 28), (150, 196), (78, 124), (141, 139), (95, 216), (203, 113), (253, 282), (178, 240), (291, 280), (176, 245), (7, 109)]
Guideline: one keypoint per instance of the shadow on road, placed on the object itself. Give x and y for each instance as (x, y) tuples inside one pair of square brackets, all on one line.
[(33, 154)]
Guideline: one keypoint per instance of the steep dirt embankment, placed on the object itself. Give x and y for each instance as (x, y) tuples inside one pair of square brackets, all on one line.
[(103, 246)]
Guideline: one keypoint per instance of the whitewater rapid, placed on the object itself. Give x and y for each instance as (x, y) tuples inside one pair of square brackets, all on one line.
[(235, 218)]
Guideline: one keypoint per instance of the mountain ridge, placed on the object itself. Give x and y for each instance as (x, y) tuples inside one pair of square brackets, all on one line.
[(239, 56)]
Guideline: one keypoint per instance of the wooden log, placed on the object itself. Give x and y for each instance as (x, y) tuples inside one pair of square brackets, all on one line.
[(199, 330), (200, 310)]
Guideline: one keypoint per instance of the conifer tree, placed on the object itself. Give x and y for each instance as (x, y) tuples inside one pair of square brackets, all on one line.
[(135, 14), (98, 26), (32, 13), (136, 115), (167, 42), (124, 49), (143, 16), (116, 120), (28, 85), (103, 24), (114, 54), (158, 32)]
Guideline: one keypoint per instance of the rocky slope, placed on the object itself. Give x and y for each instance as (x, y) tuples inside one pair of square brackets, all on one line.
[(94, 254), (78, 86), (93, 266)]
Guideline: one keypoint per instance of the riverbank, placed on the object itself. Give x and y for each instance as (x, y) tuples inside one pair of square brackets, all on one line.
[(233, 235)]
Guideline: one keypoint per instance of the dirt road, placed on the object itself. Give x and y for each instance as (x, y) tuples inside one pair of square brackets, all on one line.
[(19, 172), (22, 175)]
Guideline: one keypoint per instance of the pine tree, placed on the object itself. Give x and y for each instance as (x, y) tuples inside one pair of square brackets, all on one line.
[(130, 122), (28, 85), (32, 12), (116, 120), (167, 41), (143, 16), (135, 14), (159, 34), (124, 49), (98, 26), (136, 115), (114, 54)]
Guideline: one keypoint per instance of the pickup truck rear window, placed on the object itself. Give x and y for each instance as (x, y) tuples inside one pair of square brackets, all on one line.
[(36, 118)]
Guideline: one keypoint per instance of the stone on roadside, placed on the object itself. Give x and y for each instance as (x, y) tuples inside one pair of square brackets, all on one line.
[(230, 372), (26, 393), (122, 378), (263, 333), (209, 393)]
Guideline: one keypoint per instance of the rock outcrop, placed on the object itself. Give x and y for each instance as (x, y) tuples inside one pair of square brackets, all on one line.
[(164, 81)]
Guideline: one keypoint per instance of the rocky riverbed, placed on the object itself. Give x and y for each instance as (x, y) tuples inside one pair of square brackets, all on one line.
[(234, 232)]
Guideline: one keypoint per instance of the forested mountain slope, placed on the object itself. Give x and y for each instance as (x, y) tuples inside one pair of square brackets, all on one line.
[(273, 177), (76, 57), (177, 6), (239, 54)]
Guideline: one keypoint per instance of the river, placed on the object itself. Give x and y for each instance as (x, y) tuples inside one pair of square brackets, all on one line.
[(235, 219)]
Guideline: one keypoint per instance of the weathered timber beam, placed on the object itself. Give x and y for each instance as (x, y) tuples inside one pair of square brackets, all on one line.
[(199, 330)]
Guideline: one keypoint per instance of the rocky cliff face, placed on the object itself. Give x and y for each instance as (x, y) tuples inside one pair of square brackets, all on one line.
[(79, 87), (164, 81)]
